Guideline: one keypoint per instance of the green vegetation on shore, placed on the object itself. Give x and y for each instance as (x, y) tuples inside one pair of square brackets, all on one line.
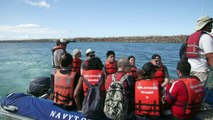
[(154, 39)]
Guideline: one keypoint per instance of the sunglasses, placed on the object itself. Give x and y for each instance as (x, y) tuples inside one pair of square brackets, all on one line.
[(92, 55)]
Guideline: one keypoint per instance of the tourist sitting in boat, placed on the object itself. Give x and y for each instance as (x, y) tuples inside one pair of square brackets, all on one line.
[(64, 84), (111, 63), (93, 74), (89, 54), (133, 71), (161, 73), (148, 94), (76, 63), (128, 83), (185, 94)]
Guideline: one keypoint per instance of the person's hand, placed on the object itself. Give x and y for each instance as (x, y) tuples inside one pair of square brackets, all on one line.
[(172, 81)]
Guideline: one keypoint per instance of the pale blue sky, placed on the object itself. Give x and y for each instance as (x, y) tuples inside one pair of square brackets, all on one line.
[(24, 19)]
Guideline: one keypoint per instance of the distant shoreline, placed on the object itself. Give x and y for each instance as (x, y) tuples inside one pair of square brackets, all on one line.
[(154, 39)]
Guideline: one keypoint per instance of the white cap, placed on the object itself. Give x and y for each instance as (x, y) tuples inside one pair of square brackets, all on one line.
[(89, 51)]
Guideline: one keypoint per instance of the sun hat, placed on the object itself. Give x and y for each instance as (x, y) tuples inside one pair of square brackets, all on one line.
[(89, 51), (76, 51), (156, 56), (201, 22), (148, 67)]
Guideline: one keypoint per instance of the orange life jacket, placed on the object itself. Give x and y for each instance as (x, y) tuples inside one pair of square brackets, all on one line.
[(76, 65), (159, 74), (147, 97), (196, 93), (133, 72), (93, 77), (63, 88), (111, 67)]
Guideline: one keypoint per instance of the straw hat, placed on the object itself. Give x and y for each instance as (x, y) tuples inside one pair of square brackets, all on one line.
[(201, 22)]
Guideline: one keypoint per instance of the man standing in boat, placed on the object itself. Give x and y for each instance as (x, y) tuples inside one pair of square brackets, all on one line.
[(57, 52), (199, 49)]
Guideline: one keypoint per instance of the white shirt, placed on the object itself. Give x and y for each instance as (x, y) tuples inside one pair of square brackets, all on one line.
[(200, 64)]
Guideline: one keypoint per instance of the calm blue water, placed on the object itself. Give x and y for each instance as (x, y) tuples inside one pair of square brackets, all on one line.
[(20, 62)]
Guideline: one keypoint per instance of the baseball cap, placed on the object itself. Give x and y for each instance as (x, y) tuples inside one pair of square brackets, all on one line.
[(156, 56), (62, 41), (89, 51)]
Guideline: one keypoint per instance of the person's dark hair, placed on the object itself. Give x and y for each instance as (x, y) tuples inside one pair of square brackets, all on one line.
[(58, 42), (110, 52), (131, 56), (66, 59), (95, 64), (184, 67), (147, 70)]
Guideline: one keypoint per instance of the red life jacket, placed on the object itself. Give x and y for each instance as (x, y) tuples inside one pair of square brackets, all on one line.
[(193, 45), (147, 97), (64, 88), (159, 74), (133, 72), (111, 67), (76, 65), (196, 93), (93, 77)]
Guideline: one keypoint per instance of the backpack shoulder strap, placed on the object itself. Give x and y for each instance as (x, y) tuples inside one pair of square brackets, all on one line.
[(101, 80), (86, 82), (123, 78), (113, 78)]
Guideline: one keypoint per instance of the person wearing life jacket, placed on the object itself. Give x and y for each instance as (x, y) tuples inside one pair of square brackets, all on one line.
[(123, 68), (148, 94), (134, 70), (64, 84), (111, 63), (89, 54), (93, 74), (199, 50), (57, 52), (76, 63), (184, 94), (161, 72)]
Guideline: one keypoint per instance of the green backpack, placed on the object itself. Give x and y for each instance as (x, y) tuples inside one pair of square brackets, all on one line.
[(116, 104)]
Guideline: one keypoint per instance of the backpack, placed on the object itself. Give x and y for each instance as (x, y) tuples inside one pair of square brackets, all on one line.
[(182, 51), (93, 101), (116, 104)]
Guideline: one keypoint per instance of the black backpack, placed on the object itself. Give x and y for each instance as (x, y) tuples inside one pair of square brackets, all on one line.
[(182, 52), (93, 101)]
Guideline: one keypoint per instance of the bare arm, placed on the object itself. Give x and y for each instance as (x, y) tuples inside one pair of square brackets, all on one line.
[(209, 57), (77, 94), (166, 79)]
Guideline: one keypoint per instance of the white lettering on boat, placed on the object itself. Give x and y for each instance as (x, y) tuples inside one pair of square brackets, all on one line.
[(65, 116)]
